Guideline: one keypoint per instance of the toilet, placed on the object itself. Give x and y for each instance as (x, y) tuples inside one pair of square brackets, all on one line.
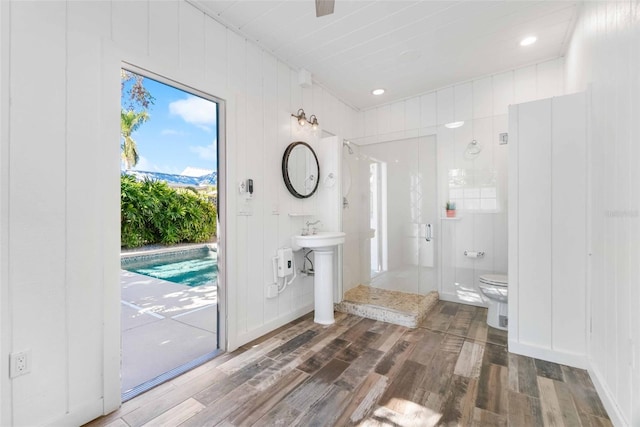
[(494, 288)]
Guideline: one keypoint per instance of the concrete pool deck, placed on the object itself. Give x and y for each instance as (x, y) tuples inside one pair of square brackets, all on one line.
[(164, 325)]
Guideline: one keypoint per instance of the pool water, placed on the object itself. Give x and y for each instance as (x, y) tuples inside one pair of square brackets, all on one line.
[(193, 272)]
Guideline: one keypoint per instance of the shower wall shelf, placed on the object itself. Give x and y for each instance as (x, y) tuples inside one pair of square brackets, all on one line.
[(455, 218), (296, 214)]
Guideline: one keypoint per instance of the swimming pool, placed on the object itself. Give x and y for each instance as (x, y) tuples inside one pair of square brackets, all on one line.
[(191, 268)]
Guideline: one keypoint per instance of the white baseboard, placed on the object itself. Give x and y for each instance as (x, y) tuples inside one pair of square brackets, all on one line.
[(80, 415), (564, 358), (267, 327), (609, 402)]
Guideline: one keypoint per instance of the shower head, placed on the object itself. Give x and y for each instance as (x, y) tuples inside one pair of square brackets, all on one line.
[(348, 145), (473, 150)]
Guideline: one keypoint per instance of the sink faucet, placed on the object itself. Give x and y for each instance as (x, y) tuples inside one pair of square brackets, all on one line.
[(314, 229)]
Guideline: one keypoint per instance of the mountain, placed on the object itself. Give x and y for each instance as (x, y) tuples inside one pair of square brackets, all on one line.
[(209, 179), (176, 180)]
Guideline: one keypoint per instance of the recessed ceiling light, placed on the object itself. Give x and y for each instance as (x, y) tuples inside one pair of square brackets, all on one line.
[(527, 41), (453, 125), (377, 91)]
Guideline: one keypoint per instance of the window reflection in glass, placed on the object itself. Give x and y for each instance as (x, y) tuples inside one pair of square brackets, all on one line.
[(474, 190)]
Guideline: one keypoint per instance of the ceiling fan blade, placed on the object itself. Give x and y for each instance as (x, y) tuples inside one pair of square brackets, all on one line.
[(324, 7)]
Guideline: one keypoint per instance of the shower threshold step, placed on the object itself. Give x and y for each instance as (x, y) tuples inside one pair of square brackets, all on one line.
[(399, 308)]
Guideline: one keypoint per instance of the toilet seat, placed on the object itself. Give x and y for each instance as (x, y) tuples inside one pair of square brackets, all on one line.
[(494, 280)]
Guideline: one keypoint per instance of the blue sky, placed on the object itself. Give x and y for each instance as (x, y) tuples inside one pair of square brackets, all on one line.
[(180, 133)]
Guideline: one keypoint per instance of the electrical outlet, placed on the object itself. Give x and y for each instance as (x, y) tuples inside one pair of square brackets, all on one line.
[(20, 363)]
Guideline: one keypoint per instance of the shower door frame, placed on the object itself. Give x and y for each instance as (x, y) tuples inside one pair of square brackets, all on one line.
[(435, 221)]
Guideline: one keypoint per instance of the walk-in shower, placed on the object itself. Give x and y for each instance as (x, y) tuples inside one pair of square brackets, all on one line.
[(390, 218), (390, 215)]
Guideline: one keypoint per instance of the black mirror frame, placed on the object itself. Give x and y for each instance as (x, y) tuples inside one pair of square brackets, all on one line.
[(285, 171)]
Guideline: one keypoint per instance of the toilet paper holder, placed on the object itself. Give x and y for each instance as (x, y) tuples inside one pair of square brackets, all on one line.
[(470, 254)]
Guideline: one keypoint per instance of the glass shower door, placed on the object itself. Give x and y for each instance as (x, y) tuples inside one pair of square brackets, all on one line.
[(403, 212)]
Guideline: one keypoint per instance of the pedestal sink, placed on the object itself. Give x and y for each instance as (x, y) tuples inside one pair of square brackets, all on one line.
[(323, 245)]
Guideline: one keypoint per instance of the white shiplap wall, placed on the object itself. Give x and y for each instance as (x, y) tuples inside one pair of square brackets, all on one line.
[(483, 104), (604, 56), (5, 330), (59, 201), (547, 229), (479, 98)]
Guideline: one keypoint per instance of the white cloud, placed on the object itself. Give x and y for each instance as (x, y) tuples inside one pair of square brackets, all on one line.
[(197, 172), (207, 152), (204, 128), (196, 111), (145, 165)]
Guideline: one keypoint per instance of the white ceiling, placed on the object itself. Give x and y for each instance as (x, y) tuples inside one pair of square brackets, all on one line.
[(406, 47)]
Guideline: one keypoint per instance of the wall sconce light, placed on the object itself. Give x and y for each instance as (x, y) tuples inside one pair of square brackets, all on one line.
[(302, 119), (314, 121)]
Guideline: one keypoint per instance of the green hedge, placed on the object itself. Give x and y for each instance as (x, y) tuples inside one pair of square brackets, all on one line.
[(152, 212)]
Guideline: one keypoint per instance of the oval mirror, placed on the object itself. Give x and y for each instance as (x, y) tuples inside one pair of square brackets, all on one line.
[(300, 170)]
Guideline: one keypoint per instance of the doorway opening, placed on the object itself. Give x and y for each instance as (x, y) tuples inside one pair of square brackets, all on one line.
[(378, 216), (171, 149)]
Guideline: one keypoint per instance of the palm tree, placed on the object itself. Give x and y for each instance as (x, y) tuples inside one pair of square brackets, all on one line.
[(130, 121)]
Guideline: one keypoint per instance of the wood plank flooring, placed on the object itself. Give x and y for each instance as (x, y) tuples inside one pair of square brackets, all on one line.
[(451, 371)]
